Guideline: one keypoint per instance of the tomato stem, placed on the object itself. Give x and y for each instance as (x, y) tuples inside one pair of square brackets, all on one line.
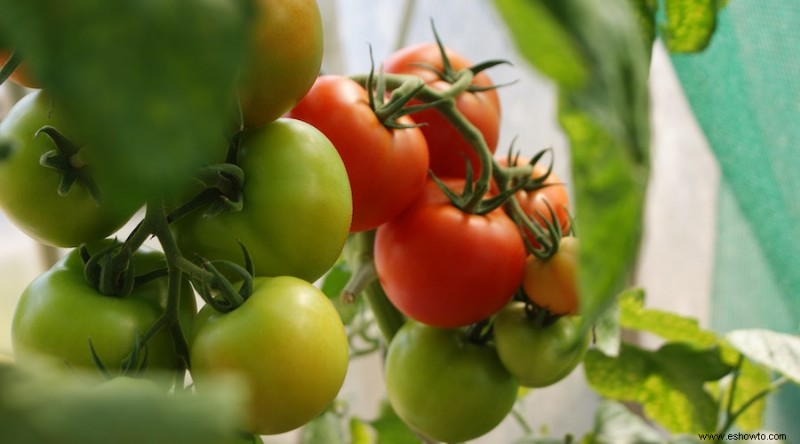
[(11, 64), (360, 255)]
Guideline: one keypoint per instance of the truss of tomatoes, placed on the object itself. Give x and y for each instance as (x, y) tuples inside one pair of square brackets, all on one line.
[(334, 165)]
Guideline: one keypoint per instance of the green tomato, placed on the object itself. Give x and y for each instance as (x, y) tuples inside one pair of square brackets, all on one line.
[(59, 312), (445, 386), (286, 342), (297, 206), (537, 356), (29, 191)]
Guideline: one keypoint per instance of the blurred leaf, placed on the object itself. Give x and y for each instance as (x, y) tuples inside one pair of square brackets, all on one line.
[(361, 432), (645, 11), (606, 118), (607, 332), (42, 406), (391, 429), (778, 352), (327, 428), (148, 83), (332, 285), (690, 24), (668, 383), (614, 423)]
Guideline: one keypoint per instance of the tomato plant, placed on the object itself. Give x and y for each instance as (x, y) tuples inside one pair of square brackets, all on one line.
[(536, 354), (445, 386), (288, 344), (60, 312), (447, 268), (297, 205), (285, 57), (387, 167), (449, 151), (552, 283), (30, 193)]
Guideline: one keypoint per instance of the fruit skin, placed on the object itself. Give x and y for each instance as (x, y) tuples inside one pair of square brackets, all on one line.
[(297, 206), (59, 312), (537, 356), (482, 109), (553, 283), (446, 268), (445, 386), (387, 167), (288, 345), (285, 58), (29, 191)]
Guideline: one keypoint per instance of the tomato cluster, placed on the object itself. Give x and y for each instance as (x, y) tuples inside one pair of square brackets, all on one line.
[(474, 251)]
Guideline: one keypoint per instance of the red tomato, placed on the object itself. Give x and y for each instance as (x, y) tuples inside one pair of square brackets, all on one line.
[(446, 268), (386, 167), (446, 145)]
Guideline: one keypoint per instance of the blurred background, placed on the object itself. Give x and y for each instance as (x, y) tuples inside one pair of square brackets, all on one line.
[(677, 261)]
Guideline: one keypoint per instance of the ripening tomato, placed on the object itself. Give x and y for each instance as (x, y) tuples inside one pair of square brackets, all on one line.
[(285, 58), (553, 283), (444, 386), (288, 344), (448, 149), (537, 355), (447, 268), (386, 167)]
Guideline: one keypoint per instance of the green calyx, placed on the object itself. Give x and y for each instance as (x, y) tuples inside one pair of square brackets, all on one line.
[(65, 158)]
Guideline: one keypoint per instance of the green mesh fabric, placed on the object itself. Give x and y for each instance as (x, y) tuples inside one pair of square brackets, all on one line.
[(745, 93)]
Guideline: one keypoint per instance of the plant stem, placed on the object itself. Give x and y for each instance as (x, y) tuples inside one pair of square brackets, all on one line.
[(388, 318)]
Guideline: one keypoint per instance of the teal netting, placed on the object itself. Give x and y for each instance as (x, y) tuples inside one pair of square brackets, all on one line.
[(745, 92)]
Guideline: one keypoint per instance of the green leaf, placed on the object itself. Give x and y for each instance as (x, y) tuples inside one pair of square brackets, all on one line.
[(689, 25), (645, 11), (607, 332), (361, 432), (333, 284), (615, 423), (391, 429), (668, 383), (327, 428), (668, 325), (606, 118), (39, 405), (778, 352), (149, 84)]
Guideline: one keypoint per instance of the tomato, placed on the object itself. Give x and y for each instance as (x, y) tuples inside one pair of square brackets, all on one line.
[(387, 167), (297, 206), (29, 191), (59, 312), (537, 356), (553, 193), (445, 386), (22, 75), (285, 58), (447, 268), (446, 145), (553, 283), (288, 344)]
